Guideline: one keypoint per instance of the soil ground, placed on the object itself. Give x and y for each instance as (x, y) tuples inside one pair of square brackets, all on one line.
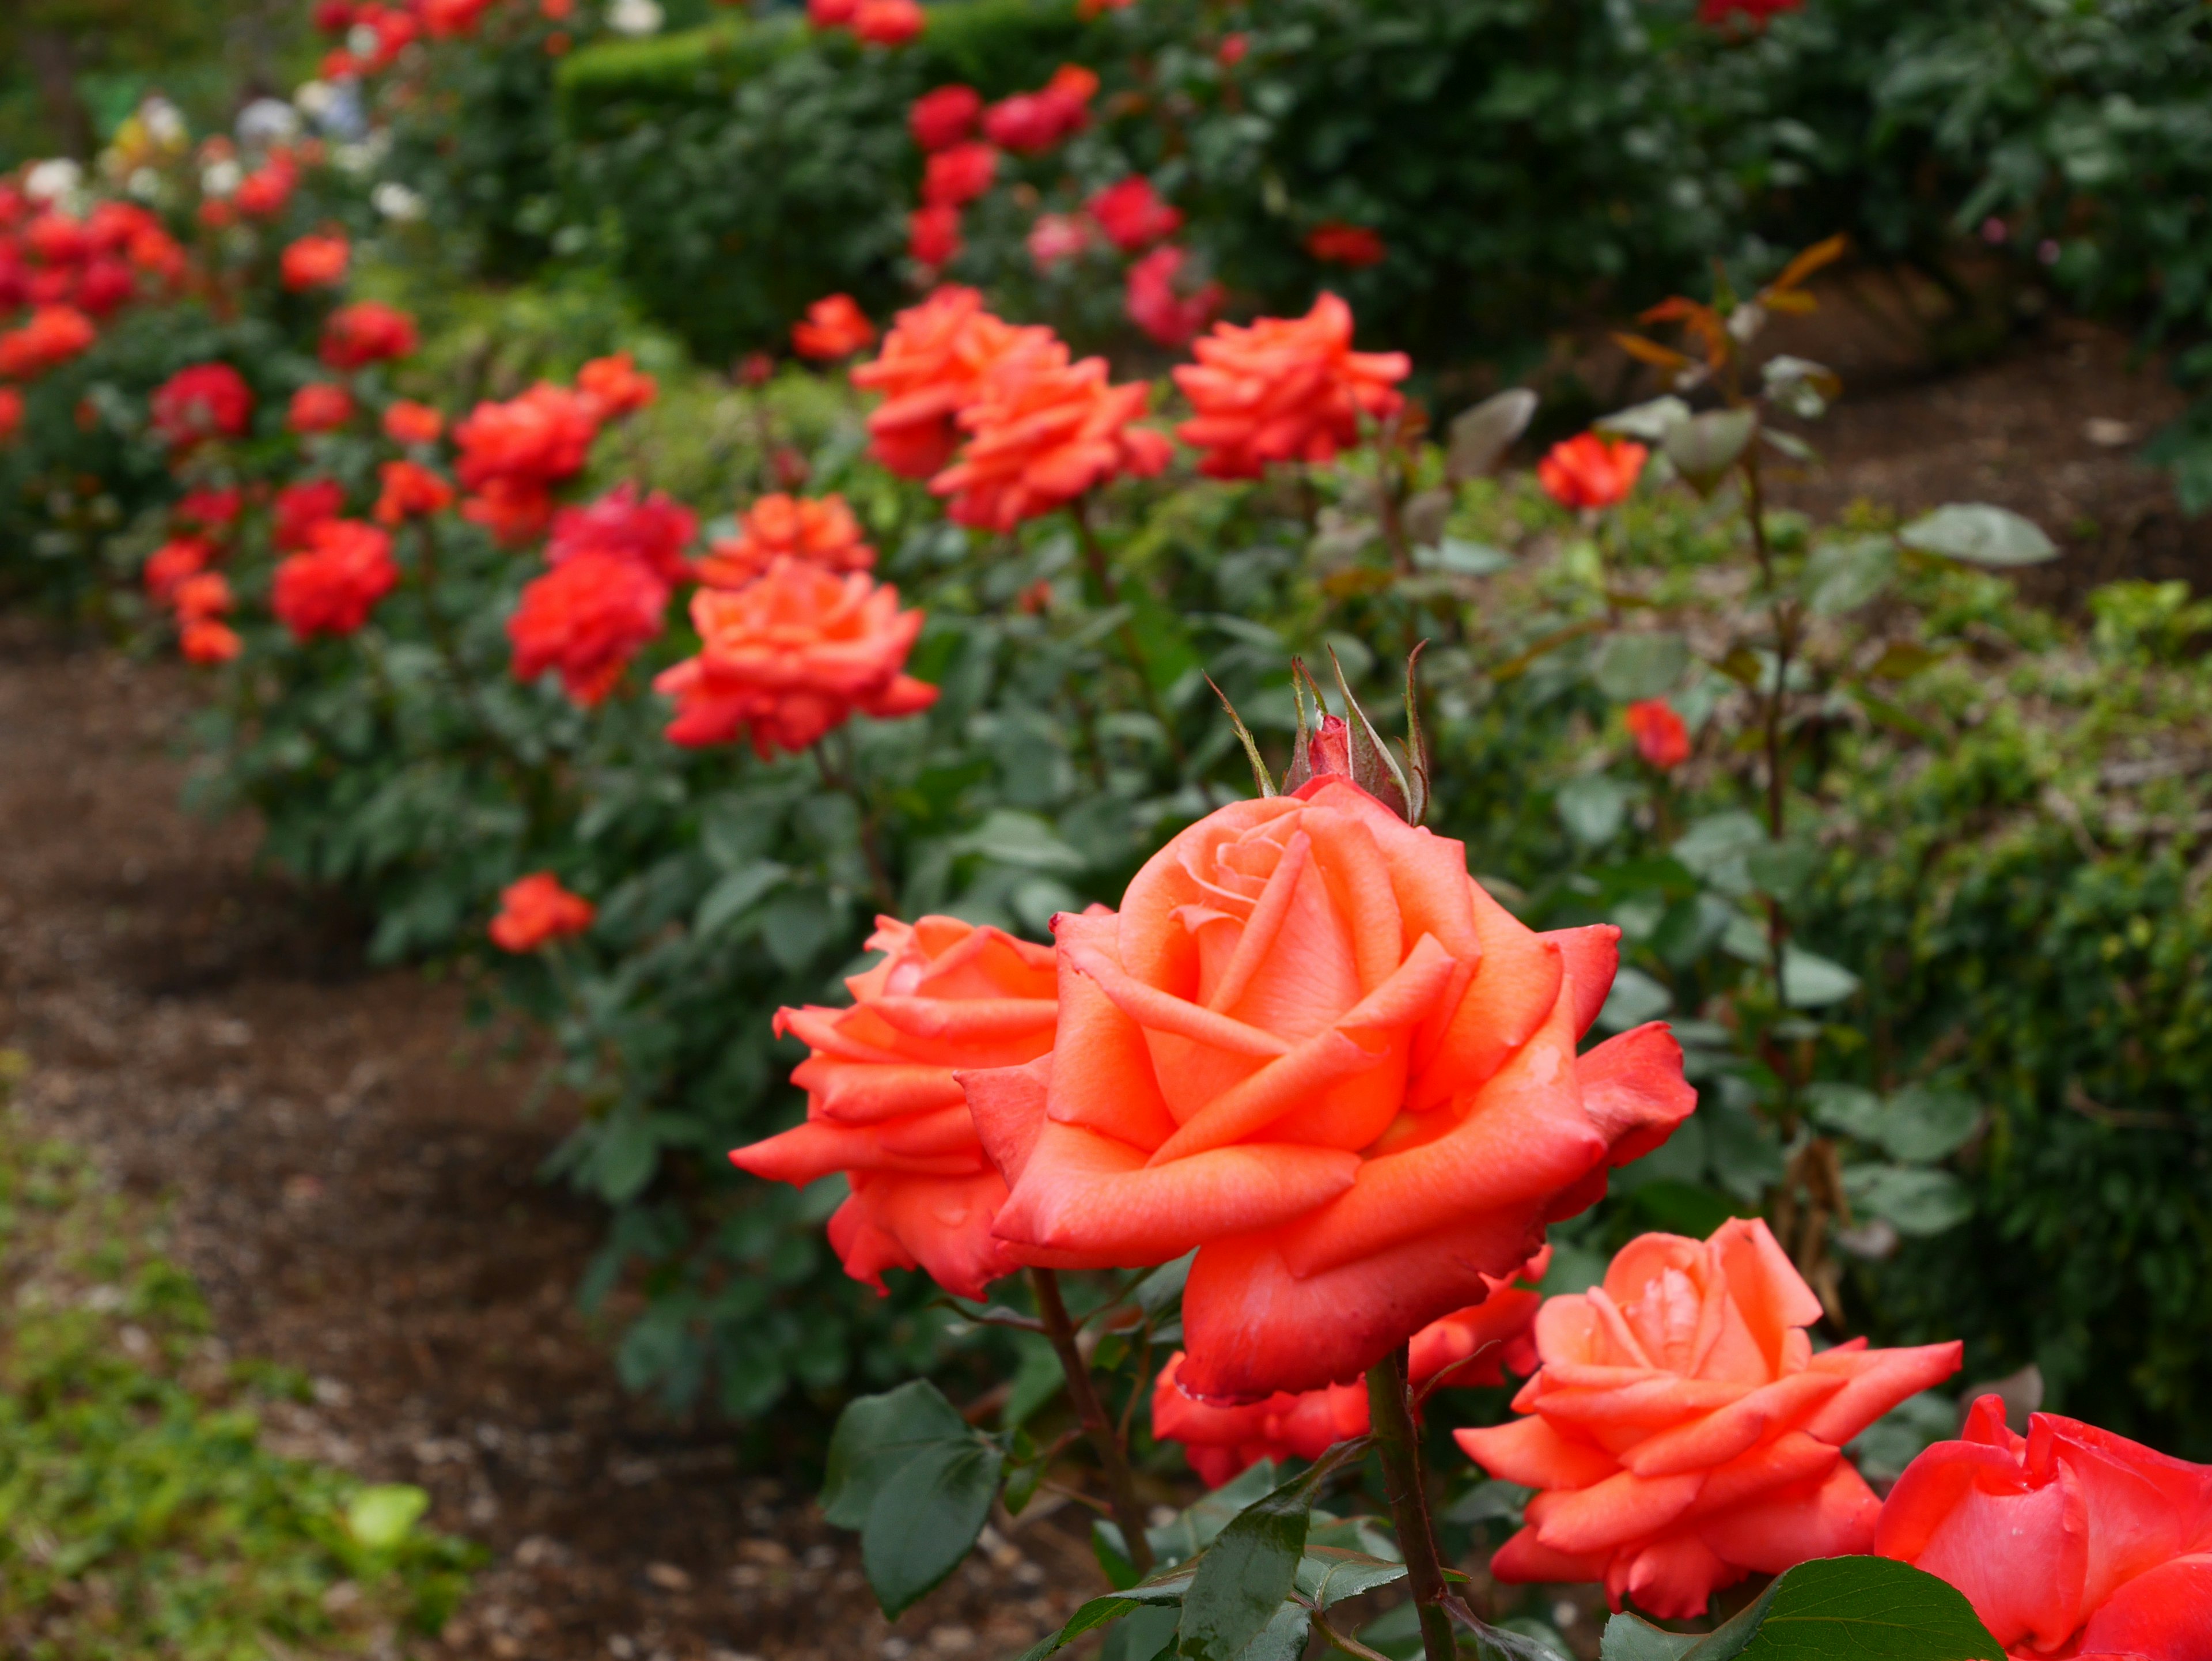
[(353, 1181)]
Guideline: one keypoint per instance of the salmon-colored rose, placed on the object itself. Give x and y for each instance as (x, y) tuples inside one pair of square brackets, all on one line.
[(820, 530), (883, 1106), (1684, 1433), (834, 327), (616, 385), (1476, 1343), (536, 910), (930, 369), (786, 659), (1284, 389), (1311, 1046), (2069, 1541), (1040, 433), (1591, 470)]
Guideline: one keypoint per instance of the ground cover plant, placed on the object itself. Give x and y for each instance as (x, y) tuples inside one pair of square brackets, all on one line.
[(984, 649)]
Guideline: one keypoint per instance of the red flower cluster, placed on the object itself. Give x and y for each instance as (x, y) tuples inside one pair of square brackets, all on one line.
[(617, 386), (448, 18), (1590, 470), (321, 407), (1132, 214), (365, 332), (201, 602), (1284, 390), (821, 531), (315, 262), (92, 265), (513, 453), (652, 532), (879, 22), (535, 910), (607, 595), (300, 508), (410, 491), (1163, 304), (1032, 123), (932, 366), (331, 587), (408, 422), (1041, 433), (940, 119), (206, 401), (787, 657), (211, 510), (54, 335), (834, 327), (1662, 738)]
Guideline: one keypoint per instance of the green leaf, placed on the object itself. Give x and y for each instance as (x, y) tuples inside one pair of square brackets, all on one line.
[(1851, 1108), (1593, 807), (877, 1434), (1811, 982), (1456, 557), (382, 1516), (1245, 1574), (1147, 1633), (1007, 838), (1842, 576), (1480, 436), (926, 1518), (1977, 533), (1924, 1122), (1327, 1575), (1631, 668), (1717, 848), (1833, 1607), (1283, 1638), (1494, 1501), (1704, 448), (1098, 1612), (1629, 1639), (1650, 422), (1163, 1287), (1037, 1378), (796, 925), (735, 894), (1913, 1199), (1635, 999)]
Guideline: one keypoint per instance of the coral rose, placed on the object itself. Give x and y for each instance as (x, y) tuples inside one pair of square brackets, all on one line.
[(206, 401), (791, 655), (535, 910), (1312, 1047), (883, 1107), (1042, 432), (331, 587), (368, 332), (616, 385), (1662, 738), (943, 117), (1132, 214), (821, 531), (587, 618), (300, 508), (406, 422), (2068, 1541), (1683, 1431), (930, 369), (954, 177), (1590, 470), (1476, 1344), (315, 262), (207, 642), (835, 327), (1284, 389), (411, 491), (322, 406)]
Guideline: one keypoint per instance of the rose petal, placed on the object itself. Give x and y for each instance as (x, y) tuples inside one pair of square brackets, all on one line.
[(2165, 1611), (1833, 1517), (1531, 1451), (1623, 1507), (1591, 955), (1877, 1381)]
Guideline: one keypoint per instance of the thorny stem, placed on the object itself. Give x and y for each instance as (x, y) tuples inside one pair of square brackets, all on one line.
[(1777, 924), (1397, 1443), (841, 778), (1094, 555), (1120, 1485)]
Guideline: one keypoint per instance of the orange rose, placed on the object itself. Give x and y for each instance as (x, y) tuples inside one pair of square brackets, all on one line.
[(1284, 389), (616, 385), (834, 327), (1041, 432), (932, 366), (536, 910), (822, 531), (883, 1107), (1311, 1046), (1683, 1431), (1591, 470), (1221, 1441)]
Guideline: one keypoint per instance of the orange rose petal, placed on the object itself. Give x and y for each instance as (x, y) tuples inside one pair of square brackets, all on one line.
[(1659, 1399), (968, 1020), (807, 1153), (869, 1093), (1265, 924), (1878, 1381), (1509, 1000), (830, 1030), (948, 1132), (1292, 1082), (943, 1227), (1104, 1071), (1592, 955), (1358, 879), (1764, 1283), (1524, 1559), (1786, 1528), (1726, 1431), (1621, 1508), (1791, 1459), (1008, 1106), (1531, 1451), (1163, 1011), (1633, 1090), (1672, 1578), (1081, 1191)]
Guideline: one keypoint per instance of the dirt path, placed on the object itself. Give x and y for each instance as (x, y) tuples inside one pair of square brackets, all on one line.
[(355, 1188)]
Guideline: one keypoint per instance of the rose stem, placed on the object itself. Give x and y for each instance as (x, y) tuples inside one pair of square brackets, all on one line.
[(1120, 1485), (1398, 1443), (1131, 647)]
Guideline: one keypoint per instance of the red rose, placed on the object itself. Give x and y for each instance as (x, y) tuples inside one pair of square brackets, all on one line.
[(408, 423), (955, 177), (536, 910), (834, 327), (933, 235), (411, 491), (587, 618), (1284, 390), (1132, 214), (11, 414), (1662, 738), (104, 285), (1155, 305), (367, 331), (650, 532), (300, 508), (321, 407), (1590, 470), (207, 401), (940, 119), (174, 563), (617, 386), (211, 510), (315, 262), (331, 587), (54, 335), (888, 22), (1335, 243)]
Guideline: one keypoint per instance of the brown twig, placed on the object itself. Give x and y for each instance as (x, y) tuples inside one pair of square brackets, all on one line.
[(1113, 1455)]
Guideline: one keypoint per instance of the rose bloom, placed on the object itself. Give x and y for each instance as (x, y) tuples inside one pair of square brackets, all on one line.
[(367, 331), (300, 508), (104, 287), (322, 406), (1309, 1045), (208, 400), (58, 240), (1661, 736), (210, 509), (410, 491), (831, 13), (931, 367), (206, 641), (1056, 237), (262, 193), (331, 587), (955, 177), (821, 531), (1335, 243), (1132, 214), (789, 657), (587, 618), (11, 414), (174, 563), (933, 235), (2068, 1541), (202, 594), (1233, 50), (1285, 389), (536, 910), (447, 19), (1590, 470), (333, 17), (1476, 1344), (406, 422), (513, 453), (1043, 432), (888, 22), (1154, 304), (834, 327), (315, 262), (650, 532), (943, 117), (157, 253), (883, 1106), (1682, 1430), (617, 386), (1032, 123)]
